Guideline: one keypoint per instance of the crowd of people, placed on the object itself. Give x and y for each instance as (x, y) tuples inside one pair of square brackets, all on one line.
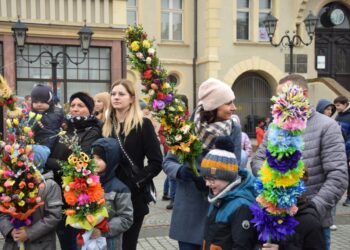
[(210, 211)]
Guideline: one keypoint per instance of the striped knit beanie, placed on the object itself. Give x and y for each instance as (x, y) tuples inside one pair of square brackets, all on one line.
[(221, 163)]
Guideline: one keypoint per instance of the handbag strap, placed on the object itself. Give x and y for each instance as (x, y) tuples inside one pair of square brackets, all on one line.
[(124, 152)]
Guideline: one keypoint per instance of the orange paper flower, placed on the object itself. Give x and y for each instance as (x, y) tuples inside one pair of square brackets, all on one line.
[(70, 198), (90, 218), (70, 212), (95, 192)]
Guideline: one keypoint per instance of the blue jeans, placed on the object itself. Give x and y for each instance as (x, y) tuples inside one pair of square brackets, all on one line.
[(170, 187), (244, 159), (188, 246), (327, 237)]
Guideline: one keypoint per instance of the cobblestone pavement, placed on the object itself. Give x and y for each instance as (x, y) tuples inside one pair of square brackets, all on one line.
[(155, 230)]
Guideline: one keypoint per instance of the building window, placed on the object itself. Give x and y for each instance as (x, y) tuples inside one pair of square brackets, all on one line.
[(243, 19), (264, 10), (299, 63), (132, 12), (92, 76), (171, 20), (173, 79)]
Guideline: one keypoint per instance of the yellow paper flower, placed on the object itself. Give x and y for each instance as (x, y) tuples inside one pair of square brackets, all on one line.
[(185, 147), (135, 46), (21, 195), (146, 44), (21, 203), (84, 157), (38, 117), (26, 129), (15, 121), (289, 180), (9, 123), (33, 193), (17, 112), (265, 174), (31, 115), (72, 159)]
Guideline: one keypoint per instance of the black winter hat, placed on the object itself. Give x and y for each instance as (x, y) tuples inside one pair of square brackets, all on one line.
[(100, 152), (85, 98), (42, 93)]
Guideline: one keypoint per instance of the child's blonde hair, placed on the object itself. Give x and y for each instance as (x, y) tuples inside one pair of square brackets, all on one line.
[(105, 98)]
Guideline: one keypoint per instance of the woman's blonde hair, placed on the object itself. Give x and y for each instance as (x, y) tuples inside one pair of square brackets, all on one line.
[(105, 98), (133, 118)]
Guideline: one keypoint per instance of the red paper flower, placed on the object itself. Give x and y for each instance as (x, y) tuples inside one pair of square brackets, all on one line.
[(147, 74), (161, 96)]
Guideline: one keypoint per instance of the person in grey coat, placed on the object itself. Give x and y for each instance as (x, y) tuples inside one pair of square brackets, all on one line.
[(41, 233), (107, 155), (324, 156), (212, 118)]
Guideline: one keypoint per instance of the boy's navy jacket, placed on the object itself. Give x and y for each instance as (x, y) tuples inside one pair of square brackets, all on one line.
[(228, 224), (343, 118), (47, 135), (117, 194)]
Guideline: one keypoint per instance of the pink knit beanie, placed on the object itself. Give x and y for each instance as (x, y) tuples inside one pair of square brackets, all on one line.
[(213, 93)]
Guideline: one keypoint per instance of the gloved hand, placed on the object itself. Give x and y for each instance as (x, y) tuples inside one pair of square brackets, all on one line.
[(200, 183), (185, 173)]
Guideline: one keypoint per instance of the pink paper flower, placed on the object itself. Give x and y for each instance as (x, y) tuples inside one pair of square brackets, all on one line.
[(83, 199)]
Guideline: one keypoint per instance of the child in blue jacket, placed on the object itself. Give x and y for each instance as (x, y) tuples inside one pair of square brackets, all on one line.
[(231, 193)]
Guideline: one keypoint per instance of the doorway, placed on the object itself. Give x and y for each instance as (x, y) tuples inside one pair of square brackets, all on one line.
[(253, 94)]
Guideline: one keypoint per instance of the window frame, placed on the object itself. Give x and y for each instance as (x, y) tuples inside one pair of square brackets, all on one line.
[(64, 65), (244, 10), (132, 8), (263, 11), (171, 11)]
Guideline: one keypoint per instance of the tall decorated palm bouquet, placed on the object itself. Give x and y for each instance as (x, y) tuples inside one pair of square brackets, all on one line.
[(20, 180), (161, 97), (82, 191), (280, 181)]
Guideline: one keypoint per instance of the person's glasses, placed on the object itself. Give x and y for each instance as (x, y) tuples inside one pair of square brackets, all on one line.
[(210, 180)]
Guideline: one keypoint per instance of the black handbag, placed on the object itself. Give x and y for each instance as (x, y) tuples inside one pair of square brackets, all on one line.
[(144, 184)]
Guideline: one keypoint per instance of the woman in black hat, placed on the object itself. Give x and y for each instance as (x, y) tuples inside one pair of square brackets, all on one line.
[(88, 128)]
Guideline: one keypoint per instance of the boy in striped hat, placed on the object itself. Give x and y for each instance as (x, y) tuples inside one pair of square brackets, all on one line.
[(231, 193)]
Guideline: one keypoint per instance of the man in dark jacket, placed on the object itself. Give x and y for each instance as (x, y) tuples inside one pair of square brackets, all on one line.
[(323, 154), (343, 118)]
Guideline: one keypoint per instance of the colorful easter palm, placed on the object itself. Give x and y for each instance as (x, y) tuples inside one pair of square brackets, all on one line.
[(280, 181)]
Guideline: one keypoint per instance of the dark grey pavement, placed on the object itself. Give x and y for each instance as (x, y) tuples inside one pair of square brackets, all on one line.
[(154, 233)]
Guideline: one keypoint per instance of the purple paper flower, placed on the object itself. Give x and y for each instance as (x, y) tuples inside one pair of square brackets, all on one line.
[(169, 98), (286, 163), (157, 81), (83, 199), (161, 105), (272, 227)]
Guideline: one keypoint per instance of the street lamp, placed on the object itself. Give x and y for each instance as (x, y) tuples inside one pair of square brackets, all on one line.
[(19, 30), (270, 24)]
